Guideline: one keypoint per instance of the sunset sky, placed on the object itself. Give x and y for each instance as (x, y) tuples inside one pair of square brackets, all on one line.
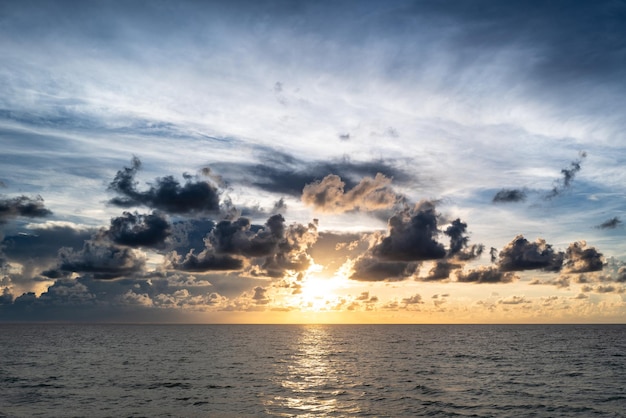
[(321, 161)]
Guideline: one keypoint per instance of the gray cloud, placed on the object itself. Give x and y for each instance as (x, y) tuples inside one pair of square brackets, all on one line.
[(485, 275), (416, 299), (509, 195), (582, 259), (167, 194), (137, 230), (371, 269), (237, 237), (441, 270), (610, 223), (412, 236), (285, 174), (41, 243), (459, 242), (412, 239), (100, 260), (603, 289), (568, 176), (206, 260), (22, 206), (520, 254), (271, 250), (37, 250), (260, 296)]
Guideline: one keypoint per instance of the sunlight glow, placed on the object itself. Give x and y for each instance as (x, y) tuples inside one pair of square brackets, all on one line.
[(319, 292)]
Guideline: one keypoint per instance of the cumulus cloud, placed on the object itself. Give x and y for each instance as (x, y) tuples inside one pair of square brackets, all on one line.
[(41, 242), (442, 270), (100, 260), (561, 282), (272, 249), (137, 230), (167, 194), (513, 300), (410, 240), (521, 254), (372, 269), (603, 289), (206, 260), (237, 237), (291, 252), (509, 195), (485, 275), (370, 194), (582, 259), (413, 300), (412, 236), (260, 296)]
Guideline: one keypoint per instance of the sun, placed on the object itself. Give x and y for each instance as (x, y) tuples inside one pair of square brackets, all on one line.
[(319, 292)]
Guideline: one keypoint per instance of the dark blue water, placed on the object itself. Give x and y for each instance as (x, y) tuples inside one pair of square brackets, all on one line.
[(313, 370)]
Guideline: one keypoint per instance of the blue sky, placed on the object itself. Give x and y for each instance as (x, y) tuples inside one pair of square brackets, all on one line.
[(349, 137)]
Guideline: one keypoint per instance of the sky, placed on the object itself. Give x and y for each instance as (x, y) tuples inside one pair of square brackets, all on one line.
[(313, 162)]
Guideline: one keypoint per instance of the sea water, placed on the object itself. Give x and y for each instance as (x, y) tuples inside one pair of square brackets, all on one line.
[(56, 370)]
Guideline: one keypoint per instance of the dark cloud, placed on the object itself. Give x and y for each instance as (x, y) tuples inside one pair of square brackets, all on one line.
[(260, 296), (22, 206), (412, 236), (441, 270), (167, 194), (285, 174), (100, 260), (509, 195), (292, 249), (412, 239), (459, 242), (7, 297), (582, 259), (272, 249), (206, 260), (493, 254), (370, 194), (369, 269), (610, 223), (485, 275), (237, 237), (122, 300), (137, 230), (281, 247), (41, 243), (37, 250), (568, 176), (520, 254)]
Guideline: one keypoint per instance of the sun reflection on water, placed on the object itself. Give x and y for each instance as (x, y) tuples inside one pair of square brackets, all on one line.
[(310, 384)]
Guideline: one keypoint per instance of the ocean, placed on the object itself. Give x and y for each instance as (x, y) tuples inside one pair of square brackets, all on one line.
[(58, 370)]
